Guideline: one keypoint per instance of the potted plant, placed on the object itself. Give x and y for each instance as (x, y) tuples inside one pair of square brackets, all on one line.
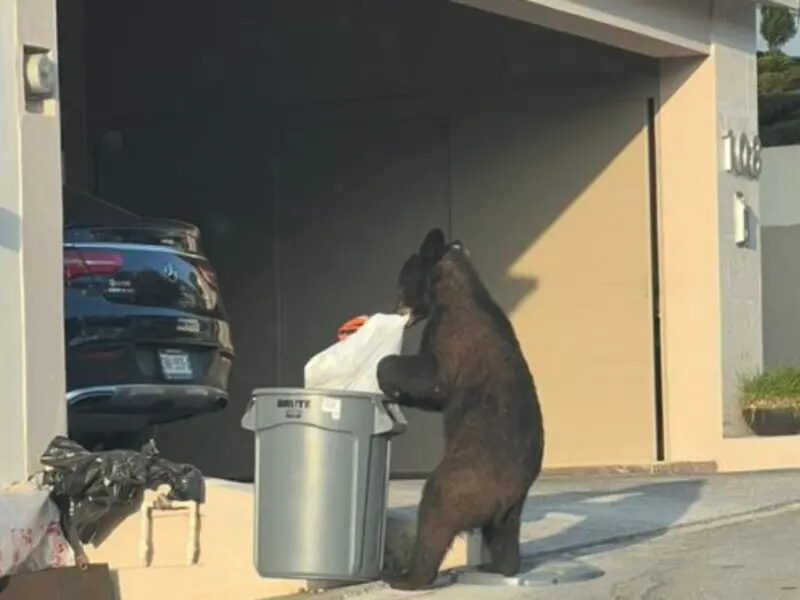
[(771, 401)]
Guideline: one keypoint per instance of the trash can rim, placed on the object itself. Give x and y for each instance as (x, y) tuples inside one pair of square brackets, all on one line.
[(298, 391)]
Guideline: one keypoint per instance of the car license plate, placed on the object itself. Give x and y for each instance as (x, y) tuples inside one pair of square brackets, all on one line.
[(175, 365)]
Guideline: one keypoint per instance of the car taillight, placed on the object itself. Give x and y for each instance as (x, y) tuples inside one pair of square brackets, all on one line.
[(82, 264), (73, 265), (208, 275)]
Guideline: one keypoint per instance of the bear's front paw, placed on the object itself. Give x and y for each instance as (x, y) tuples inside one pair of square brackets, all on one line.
[(387, 380)]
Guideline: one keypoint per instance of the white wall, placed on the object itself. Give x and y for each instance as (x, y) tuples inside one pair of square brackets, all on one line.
[(780, 232), (740, 268), (780, 186), (661, 29), (32, 404), (11, 342)]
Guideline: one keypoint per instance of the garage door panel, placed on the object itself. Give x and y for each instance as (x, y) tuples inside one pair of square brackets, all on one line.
[(551, 200), (354, 200), (216, 174), (565, 247)]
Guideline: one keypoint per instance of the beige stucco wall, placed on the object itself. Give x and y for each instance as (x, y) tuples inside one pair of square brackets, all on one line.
[(579, 290), (712, 304), (31, 325), (711, 288), (226, 552), (711, 298), (689, 271), (225, 565)]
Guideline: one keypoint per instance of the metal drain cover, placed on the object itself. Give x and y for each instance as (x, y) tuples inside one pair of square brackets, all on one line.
[(545, 575)]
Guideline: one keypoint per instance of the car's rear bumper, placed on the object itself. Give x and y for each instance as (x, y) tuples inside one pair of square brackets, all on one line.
[(129, 407)]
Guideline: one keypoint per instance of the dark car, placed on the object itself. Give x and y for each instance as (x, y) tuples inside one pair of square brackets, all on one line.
[(147, 338)]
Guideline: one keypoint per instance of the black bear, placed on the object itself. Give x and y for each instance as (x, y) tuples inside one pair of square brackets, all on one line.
[(471, 368)]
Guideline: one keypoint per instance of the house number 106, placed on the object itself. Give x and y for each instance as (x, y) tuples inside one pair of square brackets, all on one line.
[(743, 155)]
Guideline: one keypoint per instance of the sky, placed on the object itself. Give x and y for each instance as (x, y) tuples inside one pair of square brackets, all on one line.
[(792, 48)]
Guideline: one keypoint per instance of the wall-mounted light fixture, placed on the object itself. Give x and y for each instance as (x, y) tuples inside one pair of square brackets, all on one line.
[(741, 220), (41, 78)]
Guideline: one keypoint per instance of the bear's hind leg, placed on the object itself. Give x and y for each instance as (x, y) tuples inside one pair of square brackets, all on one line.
[(435, 534), (454, 500), (502, 538)]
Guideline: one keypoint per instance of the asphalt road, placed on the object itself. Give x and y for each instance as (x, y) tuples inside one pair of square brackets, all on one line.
[(756, 559)]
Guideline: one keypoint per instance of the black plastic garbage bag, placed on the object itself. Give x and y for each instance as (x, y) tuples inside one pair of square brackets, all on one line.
[(96, 491)]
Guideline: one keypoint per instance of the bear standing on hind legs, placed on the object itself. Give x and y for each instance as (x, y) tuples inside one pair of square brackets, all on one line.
[(469, 367)]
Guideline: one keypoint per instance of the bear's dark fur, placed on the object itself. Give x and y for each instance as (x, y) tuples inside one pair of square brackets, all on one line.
[(471, 368)]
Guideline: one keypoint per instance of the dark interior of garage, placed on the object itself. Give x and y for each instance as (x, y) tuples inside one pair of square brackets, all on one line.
[(314, 142)]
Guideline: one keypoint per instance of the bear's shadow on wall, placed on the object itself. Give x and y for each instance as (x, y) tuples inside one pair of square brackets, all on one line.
[(530, 175)]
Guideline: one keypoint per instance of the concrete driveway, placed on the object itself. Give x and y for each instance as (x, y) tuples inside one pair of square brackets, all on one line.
[(731, 536)]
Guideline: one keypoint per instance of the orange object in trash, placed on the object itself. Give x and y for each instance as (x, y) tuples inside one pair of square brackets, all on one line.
[(351, 327)]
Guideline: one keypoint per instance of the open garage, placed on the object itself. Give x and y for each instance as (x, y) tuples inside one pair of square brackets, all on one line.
[(315, 142), (582, 148)]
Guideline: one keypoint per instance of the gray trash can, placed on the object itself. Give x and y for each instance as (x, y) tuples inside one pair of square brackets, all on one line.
[(321, 477)]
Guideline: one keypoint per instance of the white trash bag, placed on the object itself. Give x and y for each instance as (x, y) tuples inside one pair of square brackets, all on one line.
[(352, 364)]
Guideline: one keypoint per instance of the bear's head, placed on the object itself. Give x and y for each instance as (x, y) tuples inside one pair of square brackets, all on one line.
[(421, 274)]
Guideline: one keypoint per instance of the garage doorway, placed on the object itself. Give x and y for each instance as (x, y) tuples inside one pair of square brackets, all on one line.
[(327, 214), (313, 181)]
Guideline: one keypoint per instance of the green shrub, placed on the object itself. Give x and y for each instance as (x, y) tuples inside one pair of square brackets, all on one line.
[(778, 389), (774, 62), (773, 82)]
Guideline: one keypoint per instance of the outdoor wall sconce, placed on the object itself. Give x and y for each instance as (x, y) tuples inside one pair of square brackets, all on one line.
[(741, 220), (40, 73), (40, 77)]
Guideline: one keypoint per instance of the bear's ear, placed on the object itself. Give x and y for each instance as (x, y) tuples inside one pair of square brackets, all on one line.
[(433, 247)]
